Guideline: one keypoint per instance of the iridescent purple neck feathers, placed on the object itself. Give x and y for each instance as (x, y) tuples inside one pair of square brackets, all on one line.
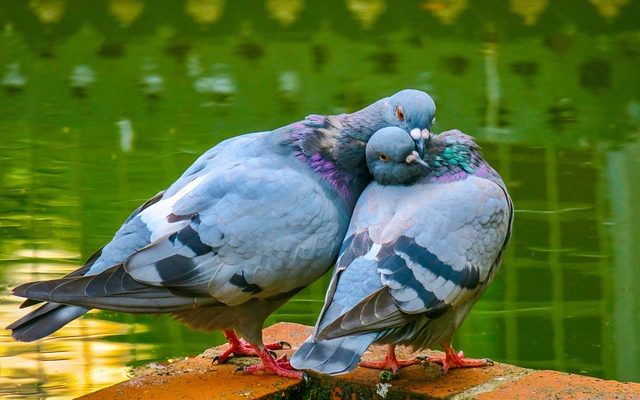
[(327, 170), (338, 159)]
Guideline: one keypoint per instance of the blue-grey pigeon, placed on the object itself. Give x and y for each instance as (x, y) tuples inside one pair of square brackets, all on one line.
[(425, 239), (252, 222)]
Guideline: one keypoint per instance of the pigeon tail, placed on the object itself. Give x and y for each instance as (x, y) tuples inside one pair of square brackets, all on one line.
[(333, 356), (44, 320), (112, 289)]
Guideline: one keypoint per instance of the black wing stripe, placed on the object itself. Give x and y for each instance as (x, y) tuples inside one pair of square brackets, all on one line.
[(240, 281), (398, 276), (190, 238), (467, 278)]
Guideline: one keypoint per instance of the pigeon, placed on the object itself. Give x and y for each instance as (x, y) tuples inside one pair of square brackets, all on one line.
[(252, 222), (425, 239)]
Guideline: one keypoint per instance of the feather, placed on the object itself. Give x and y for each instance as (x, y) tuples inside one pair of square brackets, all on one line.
[(335, 356), (43, 321)]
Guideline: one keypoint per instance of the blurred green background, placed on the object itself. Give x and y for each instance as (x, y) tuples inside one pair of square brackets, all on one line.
[(104, 103)]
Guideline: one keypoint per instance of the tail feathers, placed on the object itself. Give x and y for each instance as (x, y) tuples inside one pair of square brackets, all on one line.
[(43, 321), (333, 356), (78, 272), (112, 289), (377, 312), (29, 303)]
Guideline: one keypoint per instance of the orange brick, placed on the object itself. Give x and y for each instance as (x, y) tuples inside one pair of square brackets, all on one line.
[(558, 385), (196, 378)]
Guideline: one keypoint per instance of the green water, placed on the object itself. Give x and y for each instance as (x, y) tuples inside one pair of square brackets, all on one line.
[(104, 103)]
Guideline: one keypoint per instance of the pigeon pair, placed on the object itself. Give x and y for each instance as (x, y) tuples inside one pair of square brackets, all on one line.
[(259, 217)]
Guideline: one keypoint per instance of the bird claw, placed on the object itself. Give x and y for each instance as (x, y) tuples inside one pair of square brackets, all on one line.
[(215, 359), (285, 345), (279, 366), (451, 359), (390, 362)]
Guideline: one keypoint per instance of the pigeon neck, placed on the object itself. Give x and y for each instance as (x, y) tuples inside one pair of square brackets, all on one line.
[(453, 159), (361, 125), (338, 158)]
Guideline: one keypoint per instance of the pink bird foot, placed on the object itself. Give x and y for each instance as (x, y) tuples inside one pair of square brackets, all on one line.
[(280, 366), (451, 359), (390, 361), (240, 347)]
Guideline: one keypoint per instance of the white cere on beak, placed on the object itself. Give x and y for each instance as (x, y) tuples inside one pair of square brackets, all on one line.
[(425, 133), (412, 157), (415, 133)]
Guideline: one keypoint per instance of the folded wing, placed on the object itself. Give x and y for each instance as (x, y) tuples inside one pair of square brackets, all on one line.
[(441, 256)]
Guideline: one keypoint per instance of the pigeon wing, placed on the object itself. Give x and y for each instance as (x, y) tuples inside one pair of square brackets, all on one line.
[(243, 232), (448, 246)]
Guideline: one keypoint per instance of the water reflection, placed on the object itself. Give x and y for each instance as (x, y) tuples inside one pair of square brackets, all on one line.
[(529, 10), (13, 80), (82, 78), (285, 11), (204, 12), (289, 90), (446, 10), (152, 82), (366, 11), (126, 11), (48, 11), (623, 172), (125, 99), (218, 86), (609, 8), (68, 363), (125, 129)]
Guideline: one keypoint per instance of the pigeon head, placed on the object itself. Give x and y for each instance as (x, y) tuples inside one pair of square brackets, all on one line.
[(408, 109), (392, 157)]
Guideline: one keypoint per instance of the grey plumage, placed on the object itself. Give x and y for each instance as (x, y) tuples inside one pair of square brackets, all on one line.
[(420, 250), (249, 224)]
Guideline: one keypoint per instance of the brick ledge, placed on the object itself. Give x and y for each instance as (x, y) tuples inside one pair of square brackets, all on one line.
[(197, 379)]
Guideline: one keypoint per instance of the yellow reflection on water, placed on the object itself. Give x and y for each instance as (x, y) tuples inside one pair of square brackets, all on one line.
[(366, 11), (446, 10), (73, 361), (48, 11), (285, 11), (126, 11), (205, 12), (529, 10), (47, 254), (609, 8)]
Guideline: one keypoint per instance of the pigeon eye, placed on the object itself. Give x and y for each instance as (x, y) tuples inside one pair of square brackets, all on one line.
[(383, 157), (400, 113)]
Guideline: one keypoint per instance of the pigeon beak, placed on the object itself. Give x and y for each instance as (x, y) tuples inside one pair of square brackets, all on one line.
[(420, 137), (416, 135), (414, 158)]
